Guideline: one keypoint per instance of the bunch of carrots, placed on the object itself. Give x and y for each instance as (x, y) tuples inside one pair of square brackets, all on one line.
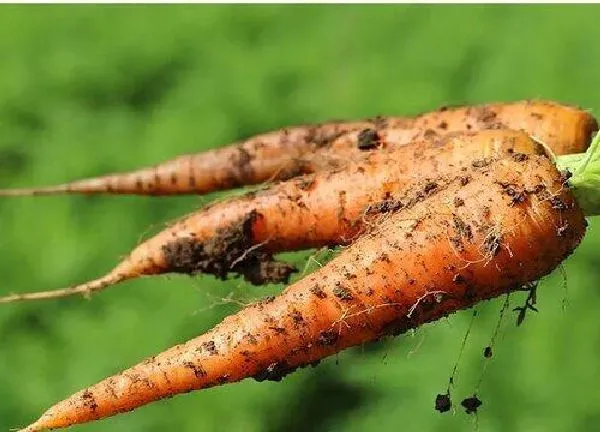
[(437, 212)]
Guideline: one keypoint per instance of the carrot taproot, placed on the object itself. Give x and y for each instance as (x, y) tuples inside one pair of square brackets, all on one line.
[(241, 235), (512, 223), (563, 128), (280, 155)]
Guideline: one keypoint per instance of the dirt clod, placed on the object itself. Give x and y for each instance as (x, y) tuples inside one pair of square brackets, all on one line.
[(230, 250), (516, 194), (480, 163), (463, 229), (386, 206), (429, 187), (430, 134), (471, 404), (443, 403), (368, 139), (210, 347), (199, 372), (487, 352), (317, 291), (274, 372), (520, 157), (342, 293), (89, 400), (328, 338), (486, 115)]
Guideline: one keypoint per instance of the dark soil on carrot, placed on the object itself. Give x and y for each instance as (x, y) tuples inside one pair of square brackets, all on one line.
[(368, 139), (230, 251)]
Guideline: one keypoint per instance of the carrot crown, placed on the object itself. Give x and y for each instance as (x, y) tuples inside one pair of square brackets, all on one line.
[(585, 178)]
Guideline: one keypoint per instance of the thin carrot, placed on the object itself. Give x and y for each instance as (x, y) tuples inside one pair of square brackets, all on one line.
[(513, 222), (242, 234), (280, 155)]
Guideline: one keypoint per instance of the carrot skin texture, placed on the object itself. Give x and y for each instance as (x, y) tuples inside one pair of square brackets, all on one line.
[(280, 155), (258, 159), (322, 209), (565, 129), (420, 264)]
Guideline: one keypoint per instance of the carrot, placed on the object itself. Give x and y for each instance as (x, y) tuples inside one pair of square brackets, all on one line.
[(280, 155), (242, 234), (513, 222), (563, 128)]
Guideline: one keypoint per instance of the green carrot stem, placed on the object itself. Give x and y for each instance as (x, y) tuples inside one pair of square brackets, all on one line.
[(585, 176)]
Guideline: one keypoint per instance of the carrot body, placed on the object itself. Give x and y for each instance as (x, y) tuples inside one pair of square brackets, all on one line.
[(513, 222), (280, 154), (565, 129), (242, 234)]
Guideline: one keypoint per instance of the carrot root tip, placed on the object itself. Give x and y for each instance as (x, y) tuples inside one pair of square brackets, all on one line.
[(86, 290)]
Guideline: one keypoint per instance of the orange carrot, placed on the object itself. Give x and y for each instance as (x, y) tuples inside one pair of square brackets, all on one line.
[(281, 154), (510, 224), (242, 234), (563, 128)]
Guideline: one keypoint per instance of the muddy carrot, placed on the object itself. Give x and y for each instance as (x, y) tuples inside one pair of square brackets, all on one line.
[(512, 222), (563, 128), (241, 235), (282, 154), (255, 160)]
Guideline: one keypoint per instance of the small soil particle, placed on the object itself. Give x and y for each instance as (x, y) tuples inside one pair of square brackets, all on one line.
[(430, 134), (462, 228), (471, 404), (458, 202), (317, 291), (297, 317), (517, 196), (458, 279), (89, 400), (487, 352), (328, 338), (209, 346), (429, 187), (486, 115), (223, 379), (443, 403), (368, 139), (198, 371), (274, 372), (520, 157), (480, 163), (386, 206), (342, 293)]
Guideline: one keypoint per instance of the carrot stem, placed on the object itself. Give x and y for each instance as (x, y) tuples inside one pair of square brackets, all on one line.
[(585, 176)]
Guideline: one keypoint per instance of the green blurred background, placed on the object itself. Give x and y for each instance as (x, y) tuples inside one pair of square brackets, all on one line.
[(86, 90)]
